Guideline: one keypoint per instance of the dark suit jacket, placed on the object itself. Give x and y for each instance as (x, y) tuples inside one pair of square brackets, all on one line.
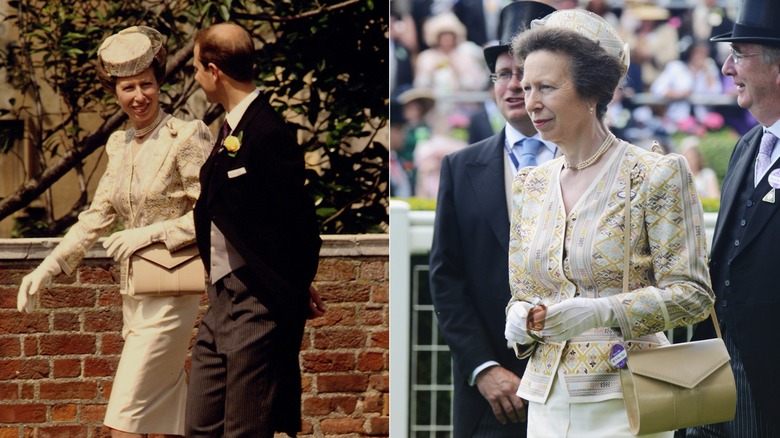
[(265, 213), (744, 276), (479, 126), (469, 273)]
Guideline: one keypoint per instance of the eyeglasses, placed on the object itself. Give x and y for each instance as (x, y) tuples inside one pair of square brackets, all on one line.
[(504, 77), (737, 56)]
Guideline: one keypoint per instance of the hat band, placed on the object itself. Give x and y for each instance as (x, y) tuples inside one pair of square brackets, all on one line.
[(742, 31)]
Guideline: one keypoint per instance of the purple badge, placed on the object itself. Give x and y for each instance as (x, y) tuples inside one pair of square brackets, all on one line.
[(774, 179), (618, 356)]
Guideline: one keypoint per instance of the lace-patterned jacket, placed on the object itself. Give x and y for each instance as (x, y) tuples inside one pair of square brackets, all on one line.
[(160, 185), (554, 257)]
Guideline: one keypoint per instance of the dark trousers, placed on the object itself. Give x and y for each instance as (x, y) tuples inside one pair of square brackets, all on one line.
[(245, 376)]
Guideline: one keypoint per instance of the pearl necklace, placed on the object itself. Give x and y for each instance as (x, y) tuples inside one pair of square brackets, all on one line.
[(595, 157), (150, 127)]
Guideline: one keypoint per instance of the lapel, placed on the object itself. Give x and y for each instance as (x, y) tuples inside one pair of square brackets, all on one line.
[(214, 173), (763, 213), (486, 175), (742, 162)]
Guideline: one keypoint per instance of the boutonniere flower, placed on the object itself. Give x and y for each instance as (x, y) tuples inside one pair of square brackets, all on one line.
[(232, 143)]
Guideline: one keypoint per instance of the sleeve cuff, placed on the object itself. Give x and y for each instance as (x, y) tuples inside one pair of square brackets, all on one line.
[(477, 370)]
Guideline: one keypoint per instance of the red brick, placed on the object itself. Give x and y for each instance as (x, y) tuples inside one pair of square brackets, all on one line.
[(28, 391), (9, 432), (341, 425), (63, 432), (68, 344), (373, 404), (328, 362), (337, 270), (328, 339), (100, 367), (93, 413), (380, 382), (66, 368), (373, 315), (342, 383), (8, 296), (31, 345), (10, 347), (379, 426), (371, 361), (32, 413), (316, 406), (349, 292), (103, 321), (342, 315), (306, 428), (380, 294), (111, 343), (15, 322), (9, 391), (24, 369), (109, 296), (80, 390), (374, 270), (99, 274), (306, 383), (63, 296), (64, 413), (66, 322), (380, 339)]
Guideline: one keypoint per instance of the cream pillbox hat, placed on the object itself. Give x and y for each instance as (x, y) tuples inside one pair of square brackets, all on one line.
[(129, 51), (592, 26)]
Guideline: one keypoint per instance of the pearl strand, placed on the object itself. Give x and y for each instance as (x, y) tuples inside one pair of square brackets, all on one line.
[(150, 127), (595, 157)]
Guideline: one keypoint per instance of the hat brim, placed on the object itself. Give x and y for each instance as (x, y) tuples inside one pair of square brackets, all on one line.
[(729, 37), (492, 53)]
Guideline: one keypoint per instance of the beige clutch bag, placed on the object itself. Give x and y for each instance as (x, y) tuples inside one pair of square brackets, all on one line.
[(156, 271)]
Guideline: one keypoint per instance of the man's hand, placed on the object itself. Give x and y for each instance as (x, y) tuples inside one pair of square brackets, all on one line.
[(498, 385), (316, 305)]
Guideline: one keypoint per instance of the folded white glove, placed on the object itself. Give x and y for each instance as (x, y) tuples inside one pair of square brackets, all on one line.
[(32, 282), (515, 330), (575, 316), (122, 244)]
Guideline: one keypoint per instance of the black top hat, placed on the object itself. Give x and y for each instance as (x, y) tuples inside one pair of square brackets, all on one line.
[(515, 18), (756, 24)]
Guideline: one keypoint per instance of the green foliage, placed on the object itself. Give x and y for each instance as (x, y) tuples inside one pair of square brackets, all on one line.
[(710, 205), (420, 204), (716, 148), (322, 64)]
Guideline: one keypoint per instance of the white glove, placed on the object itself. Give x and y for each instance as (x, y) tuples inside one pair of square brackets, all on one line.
[(122, 244), (575, 316), (515, 330), (32, 282)]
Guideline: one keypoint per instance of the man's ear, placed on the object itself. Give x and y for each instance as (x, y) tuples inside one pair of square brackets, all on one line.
[(214, 70)]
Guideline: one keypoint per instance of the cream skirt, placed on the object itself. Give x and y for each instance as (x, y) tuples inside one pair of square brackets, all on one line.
[(149, 394), (560, 418)]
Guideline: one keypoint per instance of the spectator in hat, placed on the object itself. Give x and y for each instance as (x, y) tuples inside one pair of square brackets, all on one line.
[(468, 275), (151, 185), (743, 261)]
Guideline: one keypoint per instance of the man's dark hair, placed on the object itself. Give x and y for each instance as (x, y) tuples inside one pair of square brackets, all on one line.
[(234, 56)]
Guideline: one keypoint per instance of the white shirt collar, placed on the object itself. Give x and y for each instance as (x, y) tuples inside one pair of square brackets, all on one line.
[(235, 115), (513, 136)]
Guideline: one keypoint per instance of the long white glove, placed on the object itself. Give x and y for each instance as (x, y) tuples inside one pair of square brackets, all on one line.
[(32, 282), (122, 244), (515, 330), (574, 316)]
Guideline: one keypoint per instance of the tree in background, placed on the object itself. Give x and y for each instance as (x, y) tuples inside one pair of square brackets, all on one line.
[(322, 64)]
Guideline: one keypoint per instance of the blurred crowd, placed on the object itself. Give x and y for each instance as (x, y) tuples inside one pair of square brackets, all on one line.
[(441, 100)]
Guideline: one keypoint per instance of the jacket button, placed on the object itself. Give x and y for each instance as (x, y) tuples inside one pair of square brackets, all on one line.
[(743, 222), (736, 242), (727, 283), (724, 303), (749, 203)]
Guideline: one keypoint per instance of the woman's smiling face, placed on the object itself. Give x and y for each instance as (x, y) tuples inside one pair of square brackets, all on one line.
[(138, 97)]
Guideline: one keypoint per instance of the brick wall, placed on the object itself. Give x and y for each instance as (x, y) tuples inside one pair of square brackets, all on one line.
[(57, 364)]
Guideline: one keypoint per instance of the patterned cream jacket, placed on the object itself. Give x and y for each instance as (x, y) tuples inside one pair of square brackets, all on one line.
[(160, 185), (553, 257)]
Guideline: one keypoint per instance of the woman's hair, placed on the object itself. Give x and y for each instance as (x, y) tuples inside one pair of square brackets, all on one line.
[(158, 66), (234, 56), (594, 72)]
